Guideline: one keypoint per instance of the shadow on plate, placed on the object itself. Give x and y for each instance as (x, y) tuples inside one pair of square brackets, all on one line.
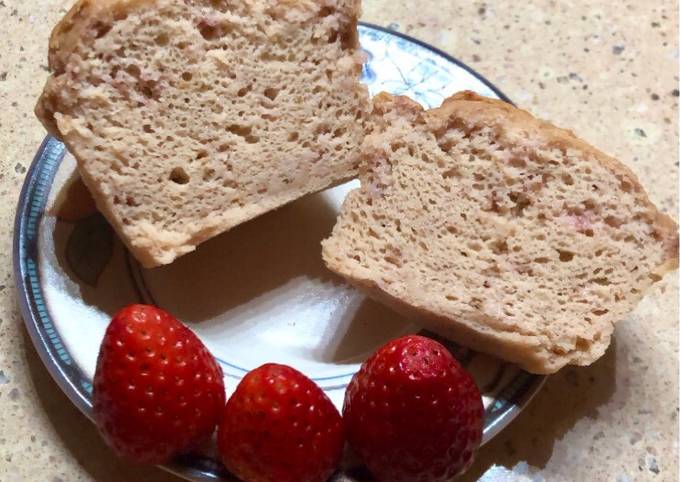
[(360, 332), (567, 397), (246, 262), (262, 269), (78, 434)]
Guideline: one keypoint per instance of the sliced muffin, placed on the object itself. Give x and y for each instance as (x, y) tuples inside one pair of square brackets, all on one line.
[(190, 117), (499, 230)]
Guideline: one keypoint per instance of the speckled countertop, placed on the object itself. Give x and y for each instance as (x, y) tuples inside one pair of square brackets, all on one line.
[(608, 70)]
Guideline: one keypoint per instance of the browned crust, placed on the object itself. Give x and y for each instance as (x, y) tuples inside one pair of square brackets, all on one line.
[(78, 28), (524, 351), (483, 110), (467, 105), (400, 104)]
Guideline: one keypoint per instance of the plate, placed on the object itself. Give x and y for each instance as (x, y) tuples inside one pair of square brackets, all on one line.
[(257, 294)]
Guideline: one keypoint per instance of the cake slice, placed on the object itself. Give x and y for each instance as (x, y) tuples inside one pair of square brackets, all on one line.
[(190, 117), (499, 230)]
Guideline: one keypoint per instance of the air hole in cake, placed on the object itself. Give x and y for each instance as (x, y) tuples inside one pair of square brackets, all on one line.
[(162, 40), (565, 256), (326, 11), (453, 172), (322, 128), (179, 176), (521, 202), (148, 88), (613, 222), (243, 91), (602, 281), (210, 30), (271, 93), (499, 247), (582, 344), (239, 130), (133, 70)]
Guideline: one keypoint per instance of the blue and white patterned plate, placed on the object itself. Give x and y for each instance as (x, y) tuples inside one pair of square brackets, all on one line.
[(256, 294)]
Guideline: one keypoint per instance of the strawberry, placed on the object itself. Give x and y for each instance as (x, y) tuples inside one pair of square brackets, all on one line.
[(280, 426), (413, 413), (157, 390)]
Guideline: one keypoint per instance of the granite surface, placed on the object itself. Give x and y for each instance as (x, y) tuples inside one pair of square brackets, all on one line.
[(608, 70)]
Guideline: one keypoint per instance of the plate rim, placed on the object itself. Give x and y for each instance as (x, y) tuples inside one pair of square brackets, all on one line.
[(21, 282), (52, 150), (441, 53)]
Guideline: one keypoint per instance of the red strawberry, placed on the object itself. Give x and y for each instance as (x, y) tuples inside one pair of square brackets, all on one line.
[(280, 426), (412, 413), (157, 390)]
